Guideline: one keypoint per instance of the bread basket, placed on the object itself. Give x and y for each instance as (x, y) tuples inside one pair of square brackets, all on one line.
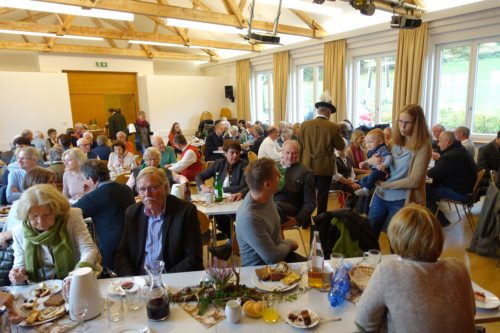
[(360, 275)]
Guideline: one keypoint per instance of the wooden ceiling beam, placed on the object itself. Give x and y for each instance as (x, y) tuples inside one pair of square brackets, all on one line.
[(155, 9), (98, 24), (4, 10), (146, 48), (60, 48), (311, 23), (242, 5), (202, 5), (35, 17), (68, 20), (127, 35), (233, 9)]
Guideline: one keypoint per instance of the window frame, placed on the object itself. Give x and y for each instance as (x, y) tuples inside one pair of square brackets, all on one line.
[(297, 81), (254, 94), (354, 86), (471, 81)]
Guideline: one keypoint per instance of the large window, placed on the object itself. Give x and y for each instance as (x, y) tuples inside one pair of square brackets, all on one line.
[(468, 84), (373, 89), (309, 90), (263, 96)]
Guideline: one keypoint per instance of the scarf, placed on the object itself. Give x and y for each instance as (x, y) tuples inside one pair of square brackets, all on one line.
[(357, 153), (57, 239), (141, 123)]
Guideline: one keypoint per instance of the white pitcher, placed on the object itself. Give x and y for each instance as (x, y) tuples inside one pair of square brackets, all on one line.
[(178, 190), (84, 286)]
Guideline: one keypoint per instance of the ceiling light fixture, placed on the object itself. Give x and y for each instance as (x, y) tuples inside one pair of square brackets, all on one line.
[(304, 6), (48, 34), (66, 9)]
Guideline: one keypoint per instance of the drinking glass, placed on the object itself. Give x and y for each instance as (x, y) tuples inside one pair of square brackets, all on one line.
[(372, 257), (132, 293), (270, 313), (79, 310)]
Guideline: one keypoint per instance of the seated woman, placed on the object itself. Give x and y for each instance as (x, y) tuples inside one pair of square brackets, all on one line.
[(52, 240), (35, 176), (151, 158), (418, 292), (120, 159), (175, 130), (74, 183), (344, 179), (357, 153)]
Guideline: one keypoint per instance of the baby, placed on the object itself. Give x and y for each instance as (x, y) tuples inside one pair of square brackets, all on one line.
[(376, 147)]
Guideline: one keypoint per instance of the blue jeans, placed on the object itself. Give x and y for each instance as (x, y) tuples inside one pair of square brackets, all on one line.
[(381, 213), (436, 193), (370, 180)]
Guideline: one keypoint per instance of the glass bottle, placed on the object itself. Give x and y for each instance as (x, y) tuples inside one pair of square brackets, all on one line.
[(157, 305), (219, 193), (315, 263)]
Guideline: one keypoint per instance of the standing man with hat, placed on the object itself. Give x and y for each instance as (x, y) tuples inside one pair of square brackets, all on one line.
[(319, 138)]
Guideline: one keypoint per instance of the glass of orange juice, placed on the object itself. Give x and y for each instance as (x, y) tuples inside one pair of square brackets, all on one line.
[(270, 313)]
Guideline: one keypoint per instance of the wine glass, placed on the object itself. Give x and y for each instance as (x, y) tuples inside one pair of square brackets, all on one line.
[(79, 310)]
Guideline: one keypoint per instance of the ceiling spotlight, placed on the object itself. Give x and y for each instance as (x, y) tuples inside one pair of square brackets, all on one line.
[(405, 22), (319, 2), (369, 9)]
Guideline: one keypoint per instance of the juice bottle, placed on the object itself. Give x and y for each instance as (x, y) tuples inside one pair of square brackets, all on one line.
[(315, 263)]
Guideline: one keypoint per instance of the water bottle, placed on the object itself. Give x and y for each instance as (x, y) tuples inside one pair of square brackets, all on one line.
[(339, 286)]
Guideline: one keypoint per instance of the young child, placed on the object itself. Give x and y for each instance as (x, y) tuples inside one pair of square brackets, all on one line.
[(376, 147)]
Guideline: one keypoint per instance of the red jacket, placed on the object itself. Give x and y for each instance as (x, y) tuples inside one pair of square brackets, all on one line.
[(191, 171)]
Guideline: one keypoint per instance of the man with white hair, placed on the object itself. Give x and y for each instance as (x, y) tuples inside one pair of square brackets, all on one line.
[(90, 138), (232, 134), (270, 147), (167, 153), (436, 132), (122, 136), (462, 134), (84, 145)]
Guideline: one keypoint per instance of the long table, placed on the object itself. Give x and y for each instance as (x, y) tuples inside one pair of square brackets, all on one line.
[(180, 321)]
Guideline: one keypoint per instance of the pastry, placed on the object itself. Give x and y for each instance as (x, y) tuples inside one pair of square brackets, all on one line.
[(290, 279), (263, 273), (306, 317), (479, 296), (54, 300)]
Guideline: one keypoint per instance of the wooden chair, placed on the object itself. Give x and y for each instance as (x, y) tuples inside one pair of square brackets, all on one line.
[(466, 206), (294, 226), (341, 197), (206, 115), (251, 156), (206, 235), (225, 112), (122, 178)]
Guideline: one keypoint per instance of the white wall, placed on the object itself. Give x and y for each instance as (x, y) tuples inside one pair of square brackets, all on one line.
[(18, 61), (55, 63), (182, 99), (33, 101)]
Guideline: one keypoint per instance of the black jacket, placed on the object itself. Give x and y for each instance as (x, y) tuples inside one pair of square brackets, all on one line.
[(182, 249), (455, 169), (106, 206), (237, 181), (256, 144), (212, 143)]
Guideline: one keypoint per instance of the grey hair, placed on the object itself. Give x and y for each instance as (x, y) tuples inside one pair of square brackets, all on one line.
[(101, 140), (440, 127), (154, 171), (258, 130), (151, 152), (286, 134), (31, 151), (55, 154), (464, 130), (42, 195)]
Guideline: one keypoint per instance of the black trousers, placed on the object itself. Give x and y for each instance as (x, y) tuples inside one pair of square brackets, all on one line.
[(322, 189)]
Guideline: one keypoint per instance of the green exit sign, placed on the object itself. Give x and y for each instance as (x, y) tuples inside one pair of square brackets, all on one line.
[(101, 64)]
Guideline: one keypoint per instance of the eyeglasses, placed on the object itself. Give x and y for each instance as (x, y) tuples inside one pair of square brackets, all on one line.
[(405, 123), (151, 188)]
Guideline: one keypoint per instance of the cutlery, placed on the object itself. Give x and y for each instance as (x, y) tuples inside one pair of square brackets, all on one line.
[(325, 320)]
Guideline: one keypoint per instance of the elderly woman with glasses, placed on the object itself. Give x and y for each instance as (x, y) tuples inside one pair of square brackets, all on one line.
[(52, 240), (27, 158), (74, 183), (419, 292), (151, 158)]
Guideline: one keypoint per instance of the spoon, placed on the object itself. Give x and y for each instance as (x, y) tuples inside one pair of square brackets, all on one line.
[(325, 320)]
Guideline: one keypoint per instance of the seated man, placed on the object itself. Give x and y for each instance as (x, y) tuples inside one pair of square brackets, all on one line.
[(106, 206), (453, 175), (190, 163), (160, 227), (462, 134), (296, 197), (270, 147), (84, 145), (258, 227), (258, 133), (488, 158), (102, 150), (167, 153), (214, 142)]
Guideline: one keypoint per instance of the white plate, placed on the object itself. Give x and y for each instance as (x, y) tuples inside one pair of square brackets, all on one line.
[(492, 301), (300, 324), (134, 328), (116, 289), (55, 286), (271, 285)]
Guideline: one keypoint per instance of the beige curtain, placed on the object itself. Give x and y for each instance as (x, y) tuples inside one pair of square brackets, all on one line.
[(412, 46), (243, 89), (280, 84), (334, 79)]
